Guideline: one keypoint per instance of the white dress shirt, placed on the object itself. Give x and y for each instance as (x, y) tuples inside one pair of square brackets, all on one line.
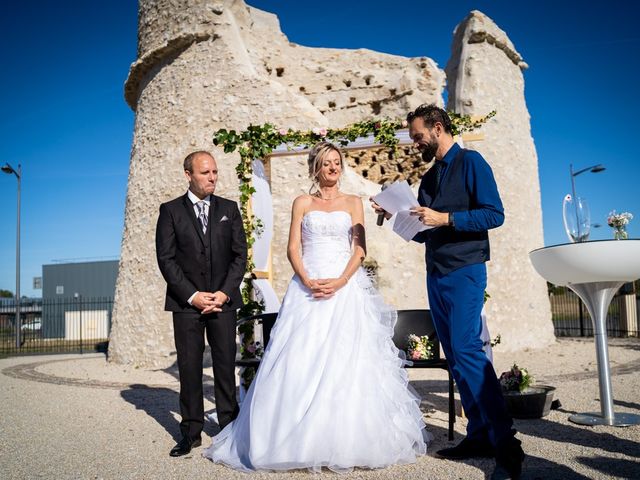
[(194, 200), (207, 202)]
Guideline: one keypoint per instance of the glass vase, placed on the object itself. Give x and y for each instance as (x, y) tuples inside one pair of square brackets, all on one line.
[(620, 233), (577, 219)]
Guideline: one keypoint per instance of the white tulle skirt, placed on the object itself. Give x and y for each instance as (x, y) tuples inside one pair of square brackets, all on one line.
[(331, 390)]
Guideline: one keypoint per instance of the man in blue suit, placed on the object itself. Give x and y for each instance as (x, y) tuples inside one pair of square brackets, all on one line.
[(459, 198)]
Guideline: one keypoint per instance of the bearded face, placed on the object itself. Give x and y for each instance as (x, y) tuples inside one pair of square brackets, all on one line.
[(429, 147), (424, 139)]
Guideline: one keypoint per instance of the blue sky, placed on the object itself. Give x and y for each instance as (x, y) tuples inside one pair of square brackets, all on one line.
[(63, 116)]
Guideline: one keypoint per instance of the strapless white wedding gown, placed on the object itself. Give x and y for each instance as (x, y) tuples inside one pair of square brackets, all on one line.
[(331, 390)]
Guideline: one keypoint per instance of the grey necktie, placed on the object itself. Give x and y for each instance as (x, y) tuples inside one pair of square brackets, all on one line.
[(203, 215)]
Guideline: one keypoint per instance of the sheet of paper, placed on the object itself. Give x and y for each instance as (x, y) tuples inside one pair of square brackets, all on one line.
[(406, 225), (398, 199)]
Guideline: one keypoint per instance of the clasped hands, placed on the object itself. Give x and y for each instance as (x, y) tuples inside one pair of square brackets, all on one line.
[(208, 302), (325, 287), (426, 215)]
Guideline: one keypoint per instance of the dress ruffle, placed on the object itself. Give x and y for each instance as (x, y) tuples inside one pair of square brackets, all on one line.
[(331, 390)]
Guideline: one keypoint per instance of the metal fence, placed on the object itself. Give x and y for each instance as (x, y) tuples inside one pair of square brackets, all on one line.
[(77, 325), (571, 318), (67, 325)]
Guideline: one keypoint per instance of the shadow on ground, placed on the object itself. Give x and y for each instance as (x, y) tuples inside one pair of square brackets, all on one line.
[(622, 403), (163, 404), (619, 467), (532, 468), (434, 394), (584, 436), (541, 468), (157, 402)]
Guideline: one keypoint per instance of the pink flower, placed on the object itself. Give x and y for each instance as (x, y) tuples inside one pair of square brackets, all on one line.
[(404, 124), (282, 131), (323, 132)]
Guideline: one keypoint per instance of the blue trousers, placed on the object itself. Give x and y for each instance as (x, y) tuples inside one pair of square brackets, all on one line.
[(456, 301)]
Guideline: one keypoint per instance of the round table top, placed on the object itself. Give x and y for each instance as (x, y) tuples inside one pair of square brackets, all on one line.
[(586, 262)]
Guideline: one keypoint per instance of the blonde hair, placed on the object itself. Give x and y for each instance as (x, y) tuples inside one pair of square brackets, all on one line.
[(316, 157)]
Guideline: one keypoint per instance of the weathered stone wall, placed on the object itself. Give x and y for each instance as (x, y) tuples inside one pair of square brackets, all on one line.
[(201, 67), (485, 73), (380, 166)]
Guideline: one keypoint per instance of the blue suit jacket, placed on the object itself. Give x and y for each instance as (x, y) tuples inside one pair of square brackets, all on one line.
[(468, 189)]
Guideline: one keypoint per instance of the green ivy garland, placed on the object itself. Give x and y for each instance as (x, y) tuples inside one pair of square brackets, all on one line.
[(258, 141)]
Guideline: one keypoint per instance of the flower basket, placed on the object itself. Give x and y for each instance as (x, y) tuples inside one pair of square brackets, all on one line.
[(533, 402)]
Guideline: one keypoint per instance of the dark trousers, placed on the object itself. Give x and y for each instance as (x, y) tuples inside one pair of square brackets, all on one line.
[(189, 331), (456, 301)]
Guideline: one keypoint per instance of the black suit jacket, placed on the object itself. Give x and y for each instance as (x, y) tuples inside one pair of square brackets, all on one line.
[(191, 261)]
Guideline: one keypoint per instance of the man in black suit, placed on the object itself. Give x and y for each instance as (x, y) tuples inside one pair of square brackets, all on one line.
[(202, 254)]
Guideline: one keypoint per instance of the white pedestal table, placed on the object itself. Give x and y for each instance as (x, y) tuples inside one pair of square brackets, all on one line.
[(594, 271)]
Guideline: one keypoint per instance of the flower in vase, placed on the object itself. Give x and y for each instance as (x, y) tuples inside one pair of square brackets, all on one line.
[(619, 222)]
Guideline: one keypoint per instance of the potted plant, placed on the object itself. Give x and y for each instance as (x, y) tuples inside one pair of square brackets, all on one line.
[(523, 398)]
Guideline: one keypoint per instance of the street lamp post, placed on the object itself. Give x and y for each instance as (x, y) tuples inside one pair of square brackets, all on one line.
[(592, 169), (18, 173)]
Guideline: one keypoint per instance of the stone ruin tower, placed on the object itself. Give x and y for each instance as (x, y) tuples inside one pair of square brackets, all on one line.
[(208, 65), (485, 73)]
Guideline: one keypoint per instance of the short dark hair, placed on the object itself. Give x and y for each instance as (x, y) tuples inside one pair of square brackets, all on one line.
[(430, 115), (188, 160)]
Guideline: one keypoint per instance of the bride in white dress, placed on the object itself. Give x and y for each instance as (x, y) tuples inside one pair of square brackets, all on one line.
[(331, 390)]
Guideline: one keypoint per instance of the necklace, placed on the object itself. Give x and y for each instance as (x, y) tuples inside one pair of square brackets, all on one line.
[(319, 195)]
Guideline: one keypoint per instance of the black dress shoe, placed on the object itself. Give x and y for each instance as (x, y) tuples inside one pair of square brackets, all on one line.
[(509, 460), (467, 448), (184, 446)]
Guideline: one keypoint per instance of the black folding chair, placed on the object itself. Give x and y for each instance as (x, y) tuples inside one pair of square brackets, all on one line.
[(419, 322)]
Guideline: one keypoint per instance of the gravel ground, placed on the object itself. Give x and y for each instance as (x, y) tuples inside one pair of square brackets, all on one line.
[(73, 416)]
